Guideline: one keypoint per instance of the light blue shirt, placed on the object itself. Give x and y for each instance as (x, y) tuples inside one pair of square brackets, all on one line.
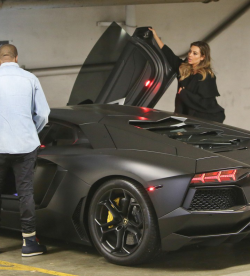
[(23, 109)]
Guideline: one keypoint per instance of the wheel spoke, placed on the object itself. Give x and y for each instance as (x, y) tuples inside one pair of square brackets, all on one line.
[(136, 225), (112, 201), (113, 222), (112, 210), (125, 203), (120, 236), (104, 233), (125, 250), (135, 231), (134, 215), (132, 203)]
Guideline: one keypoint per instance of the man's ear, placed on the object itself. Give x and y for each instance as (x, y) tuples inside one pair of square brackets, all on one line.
[(16, 59)]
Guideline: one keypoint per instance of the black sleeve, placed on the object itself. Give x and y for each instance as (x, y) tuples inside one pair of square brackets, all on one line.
[(199, 103), (173, 60), (207, 88)]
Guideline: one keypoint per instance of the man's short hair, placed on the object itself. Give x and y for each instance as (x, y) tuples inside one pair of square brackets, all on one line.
[(8, 51)]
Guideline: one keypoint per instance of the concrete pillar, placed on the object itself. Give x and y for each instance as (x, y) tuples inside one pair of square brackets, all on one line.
[(130, 21)]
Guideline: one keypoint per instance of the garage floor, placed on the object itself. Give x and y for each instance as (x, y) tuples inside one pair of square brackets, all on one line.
[(68, 259)]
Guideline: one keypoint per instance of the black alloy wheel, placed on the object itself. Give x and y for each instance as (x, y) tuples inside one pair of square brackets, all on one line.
[(123, 224)]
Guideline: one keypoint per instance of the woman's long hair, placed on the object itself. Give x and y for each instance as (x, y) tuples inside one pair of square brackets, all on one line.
[(203, 68)]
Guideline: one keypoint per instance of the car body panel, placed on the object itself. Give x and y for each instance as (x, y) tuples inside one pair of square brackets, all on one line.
[(98, 65), (70, 172)]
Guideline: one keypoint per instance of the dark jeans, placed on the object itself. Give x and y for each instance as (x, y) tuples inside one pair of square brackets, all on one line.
[(23, 168)]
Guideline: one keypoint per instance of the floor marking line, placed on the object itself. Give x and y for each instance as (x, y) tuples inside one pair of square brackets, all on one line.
[(13, 266)]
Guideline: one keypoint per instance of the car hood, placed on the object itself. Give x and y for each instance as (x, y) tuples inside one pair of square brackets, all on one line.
[(123, 69)]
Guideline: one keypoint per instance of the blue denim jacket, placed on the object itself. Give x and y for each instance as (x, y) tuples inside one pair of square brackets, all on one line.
[(23, 109)]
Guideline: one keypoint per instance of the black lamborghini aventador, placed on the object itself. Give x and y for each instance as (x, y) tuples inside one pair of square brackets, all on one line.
[(127, 178)]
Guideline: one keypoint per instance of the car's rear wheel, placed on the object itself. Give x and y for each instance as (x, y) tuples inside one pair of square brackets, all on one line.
[(122, 223)]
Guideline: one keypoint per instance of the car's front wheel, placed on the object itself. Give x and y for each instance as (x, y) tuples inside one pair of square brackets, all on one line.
[(122, 223)]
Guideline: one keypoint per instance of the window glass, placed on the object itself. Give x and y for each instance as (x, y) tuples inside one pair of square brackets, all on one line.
[(59, 135), (43, 132)]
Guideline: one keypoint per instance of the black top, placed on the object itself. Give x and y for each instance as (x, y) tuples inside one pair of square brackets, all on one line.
[(198, 98)]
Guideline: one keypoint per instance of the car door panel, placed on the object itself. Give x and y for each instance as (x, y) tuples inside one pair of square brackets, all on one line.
[(138, 72)]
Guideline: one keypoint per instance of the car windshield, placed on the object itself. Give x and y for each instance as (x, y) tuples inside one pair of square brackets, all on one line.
[(193, 133)]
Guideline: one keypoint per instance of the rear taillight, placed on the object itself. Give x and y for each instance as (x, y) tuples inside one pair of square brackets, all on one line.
[(219, 176)]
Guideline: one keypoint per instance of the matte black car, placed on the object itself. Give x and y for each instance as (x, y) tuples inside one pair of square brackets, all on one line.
[(130, 179)]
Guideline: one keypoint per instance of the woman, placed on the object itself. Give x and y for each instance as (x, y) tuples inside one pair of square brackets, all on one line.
[(197, 89)]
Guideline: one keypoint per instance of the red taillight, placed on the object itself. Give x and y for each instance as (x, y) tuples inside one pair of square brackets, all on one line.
[(213, 177), (198, 178), (228, 175), (147, 83), (151, 189), (42, 146)]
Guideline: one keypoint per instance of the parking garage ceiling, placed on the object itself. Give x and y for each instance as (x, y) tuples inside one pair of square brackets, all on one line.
[(30, 4)]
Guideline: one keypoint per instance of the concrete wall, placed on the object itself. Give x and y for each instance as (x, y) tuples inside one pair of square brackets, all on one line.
[(61, 37)]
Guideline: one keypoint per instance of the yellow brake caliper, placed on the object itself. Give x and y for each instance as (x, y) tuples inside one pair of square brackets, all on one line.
[(110, 216)]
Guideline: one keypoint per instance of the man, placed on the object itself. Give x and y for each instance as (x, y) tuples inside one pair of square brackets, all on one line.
[(23, 114)]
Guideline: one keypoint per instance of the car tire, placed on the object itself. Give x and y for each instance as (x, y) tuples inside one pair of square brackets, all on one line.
[(123, 224)]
